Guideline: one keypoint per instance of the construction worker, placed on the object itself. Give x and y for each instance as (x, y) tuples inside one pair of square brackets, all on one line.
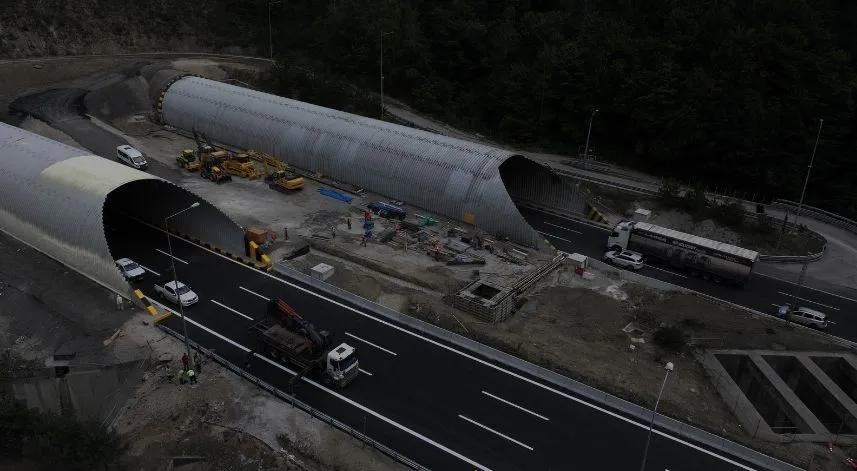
[(185, 361), (333, 232), (348, 221), (197, 362), (363, 240), (191, 376)]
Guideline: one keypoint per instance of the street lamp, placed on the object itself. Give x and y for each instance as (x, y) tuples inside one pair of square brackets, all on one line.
[(175, 276), (586, 147), (809, 170), (668, 367), (270, 34), (381, 41)]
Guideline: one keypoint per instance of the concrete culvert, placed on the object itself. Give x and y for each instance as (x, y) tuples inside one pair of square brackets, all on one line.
[(68, 205)]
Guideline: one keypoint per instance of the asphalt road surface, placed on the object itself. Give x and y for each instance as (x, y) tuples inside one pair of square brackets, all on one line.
[(444, 408), (762, 292)]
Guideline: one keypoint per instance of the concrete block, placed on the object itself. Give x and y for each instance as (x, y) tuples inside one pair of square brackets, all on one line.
[(322, 271)]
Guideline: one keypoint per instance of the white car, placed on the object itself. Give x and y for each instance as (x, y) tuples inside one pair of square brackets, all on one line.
[(624, 259), (130, 270), (175, 292), (131, 157)]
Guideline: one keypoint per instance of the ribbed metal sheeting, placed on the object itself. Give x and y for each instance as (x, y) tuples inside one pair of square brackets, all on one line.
[(448, 176), (52, 197)]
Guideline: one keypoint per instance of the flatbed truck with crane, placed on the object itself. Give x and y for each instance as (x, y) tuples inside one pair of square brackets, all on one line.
[(286, 337)]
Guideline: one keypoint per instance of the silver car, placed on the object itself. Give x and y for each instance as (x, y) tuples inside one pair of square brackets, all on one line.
[(804, 316), (625, 259), (130, 269)]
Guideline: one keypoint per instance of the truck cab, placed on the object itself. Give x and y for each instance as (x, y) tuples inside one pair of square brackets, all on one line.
[(618, 239), (342, 365)]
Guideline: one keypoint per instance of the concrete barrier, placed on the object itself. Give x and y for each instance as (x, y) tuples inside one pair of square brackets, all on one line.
[(562, 385)]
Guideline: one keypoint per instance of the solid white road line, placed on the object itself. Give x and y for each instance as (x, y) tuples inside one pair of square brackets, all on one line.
[(149, 270), (514, 405), (665, 271), (370, 343), (516, 442), (334, 393), (365, 372), (178, 259), (555, 237), (255, 293), (807, 287), (233, 310), (808, 300), (561, 227), (473, 358), (576, 221)]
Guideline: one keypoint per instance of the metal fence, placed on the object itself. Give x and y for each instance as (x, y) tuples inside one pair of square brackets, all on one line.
[(299, 404), (818, 214)]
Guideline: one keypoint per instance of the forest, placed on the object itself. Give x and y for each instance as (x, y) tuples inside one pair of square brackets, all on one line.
[(723, 93), (726, 93)]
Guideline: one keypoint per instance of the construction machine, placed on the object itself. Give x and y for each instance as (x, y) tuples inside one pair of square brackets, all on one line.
[(187, 160), (241, 166), (210, 169), (277, 173), (287, 337)]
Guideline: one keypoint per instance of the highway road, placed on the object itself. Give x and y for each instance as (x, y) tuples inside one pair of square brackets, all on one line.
[(761, 293), (444, 408)]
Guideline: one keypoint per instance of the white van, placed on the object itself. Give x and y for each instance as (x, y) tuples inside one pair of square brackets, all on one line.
[(131, 157)]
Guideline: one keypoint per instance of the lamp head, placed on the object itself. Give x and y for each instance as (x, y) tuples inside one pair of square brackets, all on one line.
[(669, 366), (195, 205)]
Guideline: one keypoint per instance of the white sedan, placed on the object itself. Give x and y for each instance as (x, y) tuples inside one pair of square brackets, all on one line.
[(130, 269), (624, 259)]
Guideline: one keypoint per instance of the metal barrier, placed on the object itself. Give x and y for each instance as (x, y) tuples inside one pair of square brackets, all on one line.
[(297, 403), (819, 214)]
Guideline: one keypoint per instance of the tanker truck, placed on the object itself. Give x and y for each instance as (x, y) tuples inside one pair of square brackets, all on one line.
[(698, 256)]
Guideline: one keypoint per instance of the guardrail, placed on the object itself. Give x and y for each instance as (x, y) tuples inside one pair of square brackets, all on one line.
[(817, 213), (611, 404), (297, 403)]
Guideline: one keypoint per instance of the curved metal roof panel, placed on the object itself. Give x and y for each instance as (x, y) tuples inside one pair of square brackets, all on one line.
[(445, 175), (52, 197)]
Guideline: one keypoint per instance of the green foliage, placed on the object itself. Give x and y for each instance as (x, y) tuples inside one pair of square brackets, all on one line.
[(53, 441), (728, 95), (671, 339)]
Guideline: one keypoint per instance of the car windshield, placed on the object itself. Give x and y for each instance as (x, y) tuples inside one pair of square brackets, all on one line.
[(137, 160), (346, 363), (182, 290), (131, 266)]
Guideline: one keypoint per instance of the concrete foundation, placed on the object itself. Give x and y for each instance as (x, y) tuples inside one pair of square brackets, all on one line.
[(484, 301), (787, 396)]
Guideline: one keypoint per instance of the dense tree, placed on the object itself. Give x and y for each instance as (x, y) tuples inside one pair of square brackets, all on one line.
[(728, 93)]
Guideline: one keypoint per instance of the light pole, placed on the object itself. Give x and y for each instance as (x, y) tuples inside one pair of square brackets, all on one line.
[(381, 43), (809, 170), (668, 367), (175, 276), (586, 147), (270, 33)]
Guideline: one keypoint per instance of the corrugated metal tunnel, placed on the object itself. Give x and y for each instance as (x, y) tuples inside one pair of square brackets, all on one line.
[(55, 198), (458, 179)]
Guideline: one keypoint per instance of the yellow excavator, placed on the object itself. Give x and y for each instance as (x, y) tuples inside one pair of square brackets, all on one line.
[(277, 173)]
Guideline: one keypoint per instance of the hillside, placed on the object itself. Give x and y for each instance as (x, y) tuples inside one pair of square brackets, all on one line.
[(726, 93)]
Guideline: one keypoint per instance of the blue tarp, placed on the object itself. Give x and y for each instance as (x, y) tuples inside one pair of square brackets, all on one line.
[(335, 195)]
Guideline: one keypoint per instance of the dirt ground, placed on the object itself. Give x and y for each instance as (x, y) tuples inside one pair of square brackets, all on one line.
[(574, 327)]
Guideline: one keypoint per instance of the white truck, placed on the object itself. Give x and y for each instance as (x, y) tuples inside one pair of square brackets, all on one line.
[(699, 256), (175, 292)]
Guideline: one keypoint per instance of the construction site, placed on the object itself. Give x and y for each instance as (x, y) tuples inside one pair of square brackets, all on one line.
[(565, 312)]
